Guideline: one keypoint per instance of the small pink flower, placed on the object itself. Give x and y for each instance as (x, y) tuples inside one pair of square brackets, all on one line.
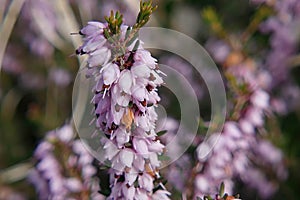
[(260, 99), (156, 147), (231, 129), (88, 171), (146, 182), (111, 149), (125, 81), (202, 183), (110, 73), (119, 97), (131, 177), (144, 57), (141, 146), (122, 137), (93, 28), (140, 71), (99, 57), (128, 192), (126, 157), (92, 45), (66, 134), (246, 126), (255, 116), (141, 194), (73, 184), (139, 163)]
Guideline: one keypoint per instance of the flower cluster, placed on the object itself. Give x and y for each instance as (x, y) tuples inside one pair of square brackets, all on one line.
[(236, 151), (231, 150), (125, 96), (283, 35), (64, 168)]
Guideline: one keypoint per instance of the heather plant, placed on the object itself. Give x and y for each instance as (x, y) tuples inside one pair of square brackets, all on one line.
[(124, 97)]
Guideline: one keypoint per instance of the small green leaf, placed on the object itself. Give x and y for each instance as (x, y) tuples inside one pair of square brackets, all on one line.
[(104, 192), (136, 46), (160, 133), (146, 9), (132, 39), (114, 22), (104, 167), (128, 145), (222, 189), (127, 32), (106, 33), (163, 158), (136, 183)]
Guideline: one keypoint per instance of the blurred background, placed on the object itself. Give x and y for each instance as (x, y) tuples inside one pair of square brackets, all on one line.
[(38, 67)]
